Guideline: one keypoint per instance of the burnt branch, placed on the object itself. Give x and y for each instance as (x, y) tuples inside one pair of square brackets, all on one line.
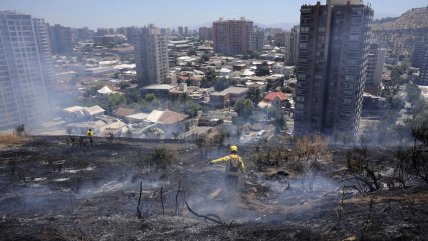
[(176, 200), (202, 216), (139, 201), (230, 225), (161, 197)]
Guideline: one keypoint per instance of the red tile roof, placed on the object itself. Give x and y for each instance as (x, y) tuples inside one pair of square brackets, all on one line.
[(278, 94)]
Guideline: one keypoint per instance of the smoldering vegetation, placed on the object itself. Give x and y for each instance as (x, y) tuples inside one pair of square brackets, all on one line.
[(134, 190)]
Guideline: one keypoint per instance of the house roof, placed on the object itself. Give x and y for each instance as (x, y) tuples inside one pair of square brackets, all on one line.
[(138, 116), (93, 110), (159, 87), (170, 117), (122, 111), (273, 95), (166, 117), (154, 116), (74, 109), (235, 90), (225, 70), (105, 90)]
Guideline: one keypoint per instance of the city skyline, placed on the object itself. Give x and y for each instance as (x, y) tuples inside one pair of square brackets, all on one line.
[(98, 13)]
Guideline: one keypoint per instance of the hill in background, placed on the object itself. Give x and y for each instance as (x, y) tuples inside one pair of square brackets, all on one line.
[(415, 18)]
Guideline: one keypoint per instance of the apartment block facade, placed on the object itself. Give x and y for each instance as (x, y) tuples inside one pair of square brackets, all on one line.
[(25, 69), (375, 64), (259, 39), (418, 54), (423, 77), (232, 37), (205, 34), (292, 45), (332, 64), (151, 56), (62, 39)]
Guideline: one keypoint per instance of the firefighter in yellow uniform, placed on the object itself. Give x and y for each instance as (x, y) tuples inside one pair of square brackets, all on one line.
[(90, 134), (234, 165)]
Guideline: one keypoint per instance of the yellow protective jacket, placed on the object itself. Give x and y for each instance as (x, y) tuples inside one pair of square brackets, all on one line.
[(90, 133), (234, 164)]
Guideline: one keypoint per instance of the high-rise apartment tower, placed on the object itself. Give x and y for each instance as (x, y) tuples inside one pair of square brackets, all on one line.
[(151, 56), (332, 63), (232, 37), (25, 69)]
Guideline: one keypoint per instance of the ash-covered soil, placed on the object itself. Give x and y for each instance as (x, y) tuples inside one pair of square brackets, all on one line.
[(52, 191)]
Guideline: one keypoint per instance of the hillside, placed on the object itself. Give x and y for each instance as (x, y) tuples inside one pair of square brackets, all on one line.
[(52, 189), (415, 18)]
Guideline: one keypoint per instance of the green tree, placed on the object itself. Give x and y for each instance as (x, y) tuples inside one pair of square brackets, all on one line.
[(288, 90), (124, 84), (395, 102), (191, 108), (221, 84), (93, 89), (204, 58), (255, 95), (132, 95), (20, 129), (279, 121), (115, 100), (150, 97), (244, 108), (191, 52), (413, 93), (263, 69)]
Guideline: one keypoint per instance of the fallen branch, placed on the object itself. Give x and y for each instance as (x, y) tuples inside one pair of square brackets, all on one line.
[(202, 216), (139, 201)]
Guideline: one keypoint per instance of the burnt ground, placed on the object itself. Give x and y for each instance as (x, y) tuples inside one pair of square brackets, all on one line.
[(50, 191)]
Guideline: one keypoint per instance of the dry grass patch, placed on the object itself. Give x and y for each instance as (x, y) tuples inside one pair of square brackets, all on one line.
[(10, 139)]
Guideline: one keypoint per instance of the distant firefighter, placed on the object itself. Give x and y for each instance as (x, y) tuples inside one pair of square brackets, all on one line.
[(90, 134), (234, 166)]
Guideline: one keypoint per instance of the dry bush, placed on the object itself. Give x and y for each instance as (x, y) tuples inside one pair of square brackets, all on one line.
[(158, 160), (310, 153), (10, 139), (271, 157)]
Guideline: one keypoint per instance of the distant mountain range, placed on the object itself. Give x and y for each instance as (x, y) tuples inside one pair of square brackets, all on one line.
[(415, 18)]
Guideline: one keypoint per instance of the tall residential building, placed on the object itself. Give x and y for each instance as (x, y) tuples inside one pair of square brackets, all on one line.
[(62, 39), (423, 78), (186, 31), (45, 51), (24, 55), (82, 34), (375, 63), (419, 53), (293, 46), (280, 38), (333, 52), (151, 56), (181, 31), (205, 34), (259, 40), (130, 33), (232, 37)]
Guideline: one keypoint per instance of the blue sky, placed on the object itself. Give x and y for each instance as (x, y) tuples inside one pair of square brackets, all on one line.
[(172, 13)]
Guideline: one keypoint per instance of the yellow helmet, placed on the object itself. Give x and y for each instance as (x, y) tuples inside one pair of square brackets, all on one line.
[(234, 148)]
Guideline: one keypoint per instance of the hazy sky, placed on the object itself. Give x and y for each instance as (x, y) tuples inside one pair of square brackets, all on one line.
[(172, 13)]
